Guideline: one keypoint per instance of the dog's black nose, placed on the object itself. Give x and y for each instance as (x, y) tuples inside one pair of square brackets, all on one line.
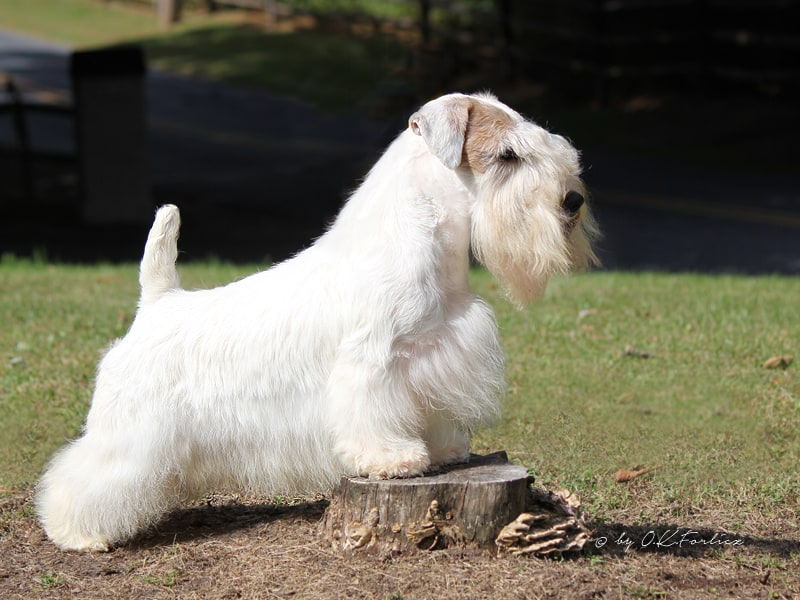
[(572, 203)]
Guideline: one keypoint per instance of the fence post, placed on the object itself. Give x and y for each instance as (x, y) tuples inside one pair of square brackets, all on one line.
[(20, 127), (504, 15), (425, 21), (112, 137), (168, 12)]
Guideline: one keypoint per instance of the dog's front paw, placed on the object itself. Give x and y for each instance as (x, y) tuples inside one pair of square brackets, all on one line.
[(392, 464), (399, 470)]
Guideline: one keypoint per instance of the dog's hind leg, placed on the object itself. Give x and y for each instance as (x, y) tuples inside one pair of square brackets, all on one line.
[(103, 489), (157, 273)]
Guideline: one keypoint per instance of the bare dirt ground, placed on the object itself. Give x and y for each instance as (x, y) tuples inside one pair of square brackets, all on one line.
[(228, 547)]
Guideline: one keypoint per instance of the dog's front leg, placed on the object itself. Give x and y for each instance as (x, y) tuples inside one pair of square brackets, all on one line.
[(376, 421)]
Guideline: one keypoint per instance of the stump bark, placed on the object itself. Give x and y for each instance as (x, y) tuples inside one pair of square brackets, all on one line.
[(483, 504)]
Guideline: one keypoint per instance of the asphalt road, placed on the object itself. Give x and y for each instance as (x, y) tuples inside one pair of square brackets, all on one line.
[(259, 175)]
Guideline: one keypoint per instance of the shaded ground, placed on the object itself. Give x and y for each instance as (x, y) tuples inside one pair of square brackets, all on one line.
[(678, 184), (245, 548)]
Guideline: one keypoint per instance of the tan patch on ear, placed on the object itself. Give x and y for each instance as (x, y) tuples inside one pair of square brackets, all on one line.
[(486, 127)]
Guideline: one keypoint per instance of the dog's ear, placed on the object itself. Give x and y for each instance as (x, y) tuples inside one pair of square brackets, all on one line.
[(443, 125)]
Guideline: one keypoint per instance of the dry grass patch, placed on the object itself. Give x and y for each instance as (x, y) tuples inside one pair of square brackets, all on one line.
[(229, 547)]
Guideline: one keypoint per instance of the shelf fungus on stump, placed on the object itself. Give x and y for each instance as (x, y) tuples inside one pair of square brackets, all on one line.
[(552, 524)]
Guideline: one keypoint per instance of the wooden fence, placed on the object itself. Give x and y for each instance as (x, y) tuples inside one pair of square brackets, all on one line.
[(605, 46)]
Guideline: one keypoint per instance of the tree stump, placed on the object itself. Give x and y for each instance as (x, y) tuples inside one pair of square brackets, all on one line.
[(483, 504)]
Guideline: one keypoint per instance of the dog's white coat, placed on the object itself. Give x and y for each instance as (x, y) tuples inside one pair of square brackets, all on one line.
[(365, 354)]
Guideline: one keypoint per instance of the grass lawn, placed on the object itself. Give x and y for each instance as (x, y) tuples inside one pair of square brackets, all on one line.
[(78, 23), (609, 371), (701, 410), (714, 425)]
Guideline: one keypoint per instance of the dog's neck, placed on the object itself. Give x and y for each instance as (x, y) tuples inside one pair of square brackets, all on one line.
[(424, 221)]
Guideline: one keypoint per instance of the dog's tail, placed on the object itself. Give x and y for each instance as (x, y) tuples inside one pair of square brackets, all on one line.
[(157, 273)]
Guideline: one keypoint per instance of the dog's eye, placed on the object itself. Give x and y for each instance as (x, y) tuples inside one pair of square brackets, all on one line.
[(508, 155)]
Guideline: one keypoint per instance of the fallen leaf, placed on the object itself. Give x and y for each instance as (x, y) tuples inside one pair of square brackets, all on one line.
[(631, 351), (778, 362), (624, 475)]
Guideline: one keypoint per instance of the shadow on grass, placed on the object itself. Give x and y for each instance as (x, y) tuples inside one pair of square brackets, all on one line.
[(608, 539), (331, 70), (199, 522)]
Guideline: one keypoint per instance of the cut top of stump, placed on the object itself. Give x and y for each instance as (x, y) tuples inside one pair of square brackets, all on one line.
[(489, 469)]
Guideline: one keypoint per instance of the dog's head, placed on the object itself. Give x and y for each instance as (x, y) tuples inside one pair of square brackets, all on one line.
[(530, 219)]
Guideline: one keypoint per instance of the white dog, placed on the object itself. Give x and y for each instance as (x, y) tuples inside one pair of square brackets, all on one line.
[(365, 354)]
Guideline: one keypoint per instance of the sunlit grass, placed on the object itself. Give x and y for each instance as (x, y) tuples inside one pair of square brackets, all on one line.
[(717, 427), (77, 23), (701, 410)]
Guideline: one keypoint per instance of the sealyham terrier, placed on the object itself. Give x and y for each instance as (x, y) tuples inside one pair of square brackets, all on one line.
[(365, 354)]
